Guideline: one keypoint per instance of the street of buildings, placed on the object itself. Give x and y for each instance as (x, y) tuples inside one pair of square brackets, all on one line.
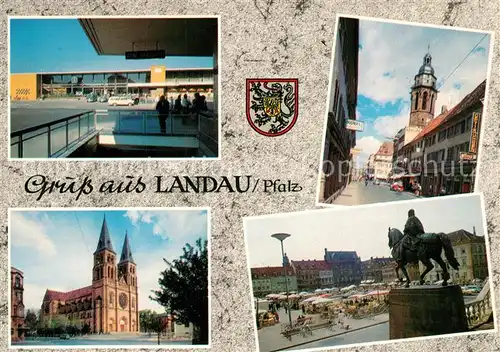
[(344, 268)]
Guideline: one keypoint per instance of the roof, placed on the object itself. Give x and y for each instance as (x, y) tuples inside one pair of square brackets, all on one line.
[(387, 148), (311, 265), (145, 70), (51, 295), (104, 238), (126, 251), (469, 101), (382, 260), (270, 271), (341, 255), (464, 236), (431, 126), (15, 270)]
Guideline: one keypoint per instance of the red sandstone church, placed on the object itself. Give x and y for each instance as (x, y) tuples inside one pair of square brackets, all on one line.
[(110, 304)]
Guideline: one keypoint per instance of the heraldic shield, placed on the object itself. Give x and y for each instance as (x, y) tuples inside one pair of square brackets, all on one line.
[(272, 105)]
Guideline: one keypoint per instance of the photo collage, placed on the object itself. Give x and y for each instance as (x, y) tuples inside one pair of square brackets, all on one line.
[(395, 246)]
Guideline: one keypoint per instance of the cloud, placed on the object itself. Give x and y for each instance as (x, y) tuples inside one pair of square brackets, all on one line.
[(388, 126), (387, 64), (368, 145), (28, 233), (173, 224)]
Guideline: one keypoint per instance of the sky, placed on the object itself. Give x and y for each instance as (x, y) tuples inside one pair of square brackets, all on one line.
[(363, 229), (61, 45), (390, 56), (55, 249)]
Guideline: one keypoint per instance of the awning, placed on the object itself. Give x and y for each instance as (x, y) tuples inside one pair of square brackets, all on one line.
[(177, 36)]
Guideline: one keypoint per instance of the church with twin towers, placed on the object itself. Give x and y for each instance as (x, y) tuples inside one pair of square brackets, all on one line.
[(110, 303)]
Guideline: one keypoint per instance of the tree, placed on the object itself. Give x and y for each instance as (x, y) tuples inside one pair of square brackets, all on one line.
[(158, 324), (145, 320), (184, 289), (31, 321)]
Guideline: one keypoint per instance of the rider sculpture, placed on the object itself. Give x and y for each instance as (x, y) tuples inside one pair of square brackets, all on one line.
[(413, 230)]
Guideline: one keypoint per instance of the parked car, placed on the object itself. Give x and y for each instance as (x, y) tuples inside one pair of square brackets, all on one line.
[(397, 187), (471, 290), (120, 100), (376, 182), (102, 99), (91, 98)]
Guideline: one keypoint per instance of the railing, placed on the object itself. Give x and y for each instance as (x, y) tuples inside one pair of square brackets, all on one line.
[(52, 139), (61, 137), (145, 122), (480, 310)]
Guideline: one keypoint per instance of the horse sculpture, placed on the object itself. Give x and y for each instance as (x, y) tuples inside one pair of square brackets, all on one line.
[(430, 247)]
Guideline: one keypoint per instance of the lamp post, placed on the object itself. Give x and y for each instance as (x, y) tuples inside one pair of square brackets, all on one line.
[(281, 237)]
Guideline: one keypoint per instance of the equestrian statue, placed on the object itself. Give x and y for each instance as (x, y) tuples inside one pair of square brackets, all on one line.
[(415, 245)]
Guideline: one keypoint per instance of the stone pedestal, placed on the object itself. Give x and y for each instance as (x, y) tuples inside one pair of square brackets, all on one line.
[(426, 311)]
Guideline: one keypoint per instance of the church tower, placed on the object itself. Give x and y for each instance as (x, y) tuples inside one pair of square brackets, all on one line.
[(423, 94), (103, 278), (128, 297)]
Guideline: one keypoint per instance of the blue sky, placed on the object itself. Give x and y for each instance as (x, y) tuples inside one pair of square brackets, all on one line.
[(337, 229), (55, 249), (38, 45), (390, 55)]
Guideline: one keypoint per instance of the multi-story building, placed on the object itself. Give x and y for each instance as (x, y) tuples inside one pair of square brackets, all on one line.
[(271, 279), (312, 274), (372, 268), (341, 107), (382, 161), (346, 267), (17, 327), (110, 303), (470, 252), (389, 272), (444, 153)]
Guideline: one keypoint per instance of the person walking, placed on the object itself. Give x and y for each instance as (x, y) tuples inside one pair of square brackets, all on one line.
[(163, 108)]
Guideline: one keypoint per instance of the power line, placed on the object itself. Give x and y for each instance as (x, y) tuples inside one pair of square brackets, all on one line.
[(81, 232), (465, 58)]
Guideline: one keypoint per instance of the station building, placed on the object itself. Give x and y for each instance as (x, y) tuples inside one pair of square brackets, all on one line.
[(152, 82)]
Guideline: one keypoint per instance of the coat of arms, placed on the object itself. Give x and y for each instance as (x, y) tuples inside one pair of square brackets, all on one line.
[(272, 105)]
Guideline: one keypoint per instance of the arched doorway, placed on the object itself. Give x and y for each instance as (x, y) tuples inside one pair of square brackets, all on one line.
[(111, 324), (123, 324)]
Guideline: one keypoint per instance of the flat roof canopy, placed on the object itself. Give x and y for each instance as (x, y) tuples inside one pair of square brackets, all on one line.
[(177, 36)]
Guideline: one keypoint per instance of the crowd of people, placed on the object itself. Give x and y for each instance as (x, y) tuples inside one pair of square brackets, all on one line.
[(181, 105)]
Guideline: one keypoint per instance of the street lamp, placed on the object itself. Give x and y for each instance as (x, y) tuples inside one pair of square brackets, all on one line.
[(281, 237)]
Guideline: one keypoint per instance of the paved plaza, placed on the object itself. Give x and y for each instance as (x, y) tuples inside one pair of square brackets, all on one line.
[(270, 338), (356, 193)]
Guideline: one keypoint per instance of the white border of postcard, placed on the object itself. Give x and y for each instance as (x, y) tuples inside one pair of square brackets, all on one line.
[(415, 24), (123, 347), (219, 88), (378, 205)]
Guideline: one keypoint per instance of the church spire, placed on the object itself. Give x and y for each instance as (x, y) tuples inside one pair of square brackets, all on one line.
[(126, 251), (104, 238)]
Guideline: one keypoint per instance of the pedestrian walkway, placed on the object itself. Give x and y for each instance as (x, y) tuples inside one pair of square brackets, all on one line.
[(356, 193), (270, 338)]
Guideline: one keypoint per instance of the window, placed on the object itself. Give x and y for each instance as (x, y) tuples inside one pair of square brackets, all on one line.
[(462, 126), (416, 101), (335, 97), (424, 101), (468, 124)]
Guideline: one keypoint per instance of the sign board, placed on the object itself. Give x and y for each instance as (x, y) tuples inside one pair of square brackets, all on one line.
[(467, 156), (474, 132), (147, 54), (354, 125), (355, 151), (74, 80)]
